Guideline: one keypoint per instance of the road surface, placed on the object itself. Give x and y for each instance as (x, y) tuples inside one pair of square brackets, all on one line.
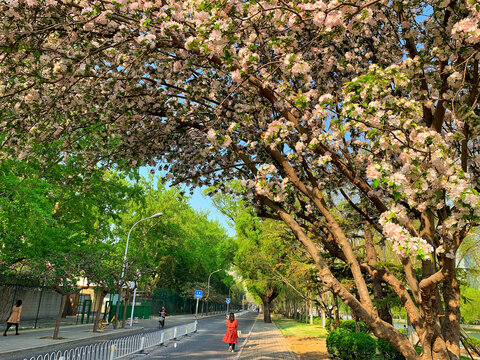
[(206, 343)]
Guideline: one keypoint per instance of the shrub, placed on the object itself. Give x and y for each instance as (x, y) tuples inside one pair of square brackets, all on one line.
[(388, 350), (347, 345), (350, 326), (334, 340), (317, 320), (360, 346)]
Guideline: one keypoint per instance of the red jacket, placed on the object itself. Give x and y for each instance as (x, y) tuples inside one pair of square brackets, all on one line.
[(231, 335)]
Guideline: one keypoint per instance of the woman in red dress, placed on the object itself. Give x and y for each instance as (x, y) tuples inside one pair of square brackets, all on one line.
[(231, 335)]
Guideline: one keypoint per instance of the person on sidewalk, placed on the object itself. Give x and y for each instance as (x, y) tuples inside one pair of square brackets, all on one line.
[(162, 314), (231, 335), (14, 318)]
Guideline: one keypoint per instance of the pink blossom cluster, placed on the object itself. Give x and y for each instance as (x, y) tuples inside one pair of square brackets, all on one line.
[(421, 162), (268, 183), (276, 131), (403, 243), (209, 89), (468, 29)]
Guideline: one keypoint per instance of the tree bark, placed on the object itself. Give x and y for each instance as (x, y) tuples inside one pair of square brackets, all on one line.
[(98, 310), (311, 309), (266, 311), (337, 311), (267, 299), (127, 300), (59, 316), (378, 293)]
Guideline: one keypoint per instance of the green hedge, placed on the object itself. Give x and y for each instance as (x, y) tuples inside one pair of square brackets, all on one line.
[(347, 345), (334, 340), (388, 350), (349, 325)]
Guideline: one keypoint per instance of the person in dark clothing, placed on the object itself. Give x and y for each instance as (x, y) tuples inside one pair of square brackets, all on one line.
[(161, 317)]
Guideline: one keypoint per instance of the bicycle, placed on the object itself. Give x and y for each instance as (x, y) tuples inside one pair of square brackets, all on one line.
[(102, 324)]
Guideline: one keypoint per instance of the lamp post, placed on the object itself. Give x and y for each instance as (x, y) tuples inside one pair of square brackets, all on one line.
[(125, 262), (208, 285)]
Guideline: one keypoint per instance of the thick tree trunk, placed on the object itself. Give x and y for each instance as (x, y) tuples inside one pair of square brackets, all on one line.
[(266, 311), (59, 316), (378, 293), (98, 310), (311, 309), (451, 296), (323, 319), (127, 300), (267, 298), (337, 311)]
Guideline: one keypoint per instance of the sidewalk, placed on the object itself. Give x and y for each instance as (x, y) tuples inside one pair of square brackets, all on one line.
[(39, 340), (265, 341), (13, 346)]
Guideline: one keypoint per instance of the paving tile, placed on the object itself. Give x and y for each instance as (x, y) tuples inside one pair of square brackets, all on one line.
[(265, 342)]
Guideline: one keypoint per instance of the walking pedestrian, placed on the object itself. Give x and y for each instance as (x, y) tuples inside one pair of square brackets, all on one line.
[(231, 335), (14, 318), (162, 314)]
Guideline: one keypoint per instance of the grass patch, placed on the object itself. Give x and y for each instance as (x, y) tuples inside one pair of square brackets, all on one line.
[(290, 327)]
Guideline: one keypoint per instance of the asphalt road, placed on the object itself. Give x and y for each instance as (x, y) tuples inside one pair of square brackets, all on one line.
[(150, 325), (205, 344)]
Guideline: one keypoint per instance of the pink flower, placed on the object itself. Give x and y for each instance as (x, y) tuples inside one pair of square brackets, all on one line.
[(373, 172), (211, 135), (236, 76)]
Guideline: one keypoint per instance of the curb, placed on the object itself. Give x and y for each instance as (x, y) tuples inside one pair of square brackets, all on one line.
[(246, 340)]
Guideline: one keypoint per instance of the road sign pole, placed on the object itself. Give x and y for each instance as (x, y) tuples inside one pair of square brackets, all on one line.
[(198, 295), (227, 300), (196, 309)]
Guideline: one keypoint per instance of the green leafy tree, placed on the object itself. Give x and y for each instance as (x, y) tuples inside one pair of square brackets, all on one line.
[(177, 250), (53, 220)]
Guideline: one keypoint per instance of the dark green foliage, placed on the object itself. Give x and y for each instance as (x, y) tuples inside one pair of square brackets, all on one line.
[(347, 345), (348, 325), (388, 350), (334, 340)]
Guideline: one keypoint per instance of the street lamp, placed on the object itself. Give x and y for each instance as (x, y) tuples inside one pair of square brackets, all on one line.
[(125, 261), (208, 285)]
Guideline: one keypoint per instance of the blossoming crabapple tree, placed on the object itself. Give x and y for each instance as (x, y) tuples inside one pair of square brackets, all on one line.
[(374, 100)]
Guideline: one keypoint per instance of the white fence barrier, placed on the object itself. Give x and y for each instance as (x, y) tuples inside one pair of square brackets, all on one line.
[(120, 348)]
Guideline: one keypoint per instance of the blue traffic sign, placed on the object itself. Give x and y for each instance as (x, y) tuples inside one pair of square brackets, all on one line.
[(227, 300), (198, 294)]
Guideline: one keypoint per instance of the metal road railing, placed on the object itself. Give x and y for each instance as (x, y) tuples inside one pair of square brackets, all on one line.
[(120, 348)]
